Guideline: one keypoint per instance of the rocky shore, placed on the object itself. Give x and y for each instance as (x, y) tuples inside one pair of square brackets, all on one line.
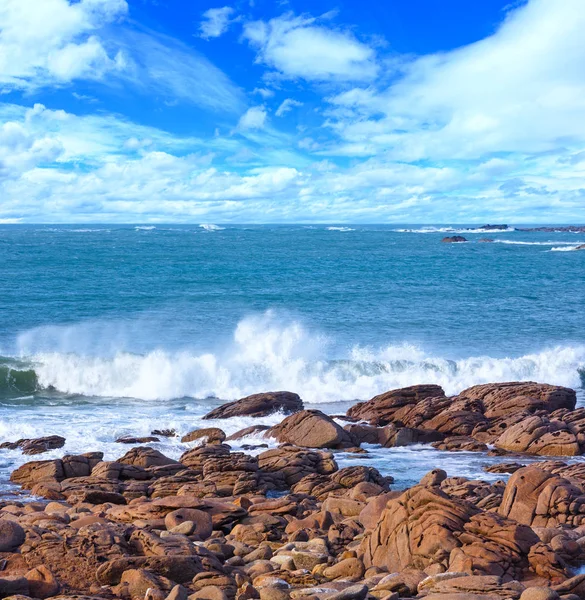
[(280, 522)]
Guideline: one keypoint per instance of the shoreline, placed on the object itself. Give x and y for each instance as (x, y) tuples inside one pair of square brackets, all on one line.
[(291, 521)]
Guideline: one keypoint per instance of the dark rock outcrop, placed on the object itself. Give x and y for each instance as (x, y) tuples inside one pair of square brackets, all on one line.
[(258, 405)]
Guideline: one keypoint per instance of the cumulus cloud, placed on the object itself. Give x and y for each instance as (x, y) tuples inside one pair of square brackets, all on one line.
[(56, 41), (287, 105), (305, 47), (215, 22), (518, 90), (253, 118)]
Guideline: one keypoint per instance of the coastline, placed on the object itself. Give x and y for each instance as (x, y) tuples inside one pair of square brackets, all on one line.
[(274, 512)]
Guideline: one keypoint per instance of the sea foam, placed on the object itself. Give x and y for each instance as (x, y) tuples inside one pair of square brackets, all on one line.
[(268, 354)]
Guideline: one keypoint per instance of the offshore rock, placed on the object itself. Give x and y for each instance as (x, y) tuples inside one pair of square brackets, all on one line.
[(453, 239), (258, 405)]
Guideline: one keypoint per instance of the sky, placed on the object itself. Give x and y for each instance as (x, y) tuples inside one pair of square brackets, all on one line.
[(275, 111)]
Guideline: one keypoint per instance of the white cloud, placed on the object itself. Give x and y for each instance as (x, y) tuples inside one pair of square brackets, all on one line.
[(55, 41), (215, 22), (264, 92), (167, 66), (303, 47), (253, 118), (287, 105), (519, 90)]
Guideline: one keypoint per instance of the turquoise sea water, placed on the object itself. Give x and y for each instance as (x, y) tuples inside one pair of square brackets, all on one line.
[(107, 330)]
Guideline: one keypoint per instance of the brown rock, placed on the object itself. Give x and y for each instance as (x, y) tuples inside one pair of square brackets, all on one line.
[(35, 472), (145, 457), (128, 439), (202, 521), (12, 586), (11, 536), (292, 464), (258, 405), (351, 569), (311, 429), (381, 409), (538, 435), (539, 593), (417, 529), (42, 583), (503, 398), (209, 435), (536, 497)]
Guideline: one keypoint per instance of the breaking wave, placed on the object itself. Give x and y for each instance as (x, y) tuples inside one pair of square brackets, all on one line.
[(517, 243), (454, 230), (211, 227), (266, 354), (340, 229), (566, 248)]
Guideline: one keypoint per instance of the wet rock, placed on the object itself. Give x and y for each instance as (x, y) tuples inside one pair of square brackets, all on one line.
[(209, 435), (392, 436), (381, 409), (40, 445), (311, 429), (505, 467), (258, 405), (460, 443), (453, 239), (128, 439), (252, 430), (11, 535), (169, 433)]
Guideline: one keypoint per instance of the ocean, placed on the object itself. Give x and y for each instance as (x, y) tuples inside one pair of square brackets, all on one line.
[(113, 330)]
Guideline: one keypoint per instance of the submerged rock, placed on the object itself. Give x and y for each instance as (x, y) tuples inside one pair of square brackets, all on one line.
[(454, 239)]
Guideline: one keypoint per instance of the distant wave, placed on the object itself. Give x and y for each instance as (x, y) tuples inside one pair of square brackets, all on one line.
[(211, 227), (552, 243), (566, 248), (144, 227), (454, 230), (340, 229), (268, 354)]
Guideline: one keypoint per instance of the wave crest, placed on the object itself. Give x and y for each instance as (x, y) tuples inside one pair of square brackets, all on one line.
[(266, 354)]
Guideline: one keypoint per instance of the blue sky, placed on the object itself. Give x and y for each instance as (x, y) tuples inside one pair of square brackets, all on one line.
[(418, 111)]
